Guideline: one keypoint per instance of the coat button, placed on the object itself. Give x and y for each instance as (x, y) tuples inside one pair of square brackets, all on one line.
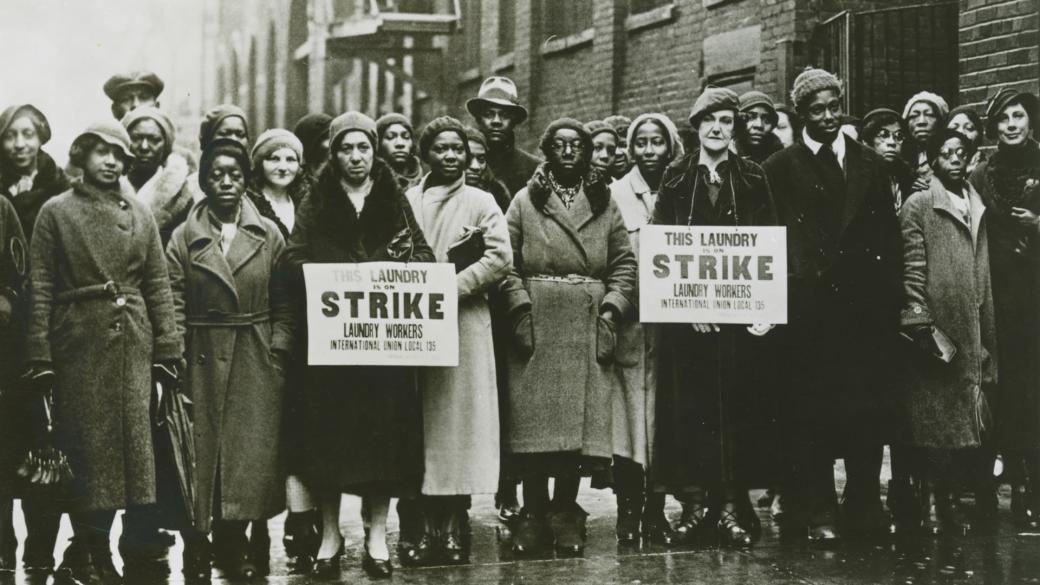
[(917, 310), (201, 360), (117, 327), (123, 204), (120, 301)]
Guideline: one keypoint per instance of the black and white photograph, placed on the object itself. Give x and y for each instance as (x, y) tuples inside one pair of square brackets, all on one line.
[(509, 292)]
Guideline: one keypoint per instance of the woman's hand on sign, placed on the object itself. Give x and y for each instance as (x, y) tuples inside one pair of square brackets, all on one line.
[(705, 327), (759, 329)]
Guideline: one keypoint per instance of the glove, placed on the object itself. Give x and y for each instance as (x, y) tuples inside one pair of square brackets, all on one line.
[(38, 378), (6, 310), (523, 334), (166, 373), (606, 338), (921, 335)]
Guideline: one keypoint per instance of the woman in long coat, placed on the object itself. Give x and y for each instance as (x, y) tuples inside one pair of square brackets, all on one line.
[(102, 324), (13, 265), (653, 142), (233, 308), (573, 282), (946, 279), (714, 407), (460, 405), (1009, 184), (364, 422)]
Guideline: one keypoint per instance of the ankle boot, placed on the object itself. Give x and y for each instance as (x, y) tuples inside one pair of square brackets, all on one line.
[(628, 510), (655, 526), (260, 547)]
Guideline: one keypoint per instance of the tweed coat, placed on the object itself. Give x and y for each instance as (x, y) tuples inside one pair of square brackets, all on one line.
[(233, 312), (844, 294), (364, 426), (946, 279), (101, 315), (567, 265), (460, 404)]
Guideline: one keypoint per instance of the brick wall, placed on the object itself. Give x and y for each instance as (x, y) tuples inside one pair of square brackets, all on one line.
[(999, 47)]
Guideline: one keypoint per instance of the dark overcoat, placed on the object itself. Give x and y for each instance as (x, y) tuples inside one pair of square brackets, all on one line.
[(101, 315), (364, 423), (844, 294), (513, 166), (567, 265), (50, 181), (13, 265), (946, 279), (1011, 178), (715, 391), (233, 312)]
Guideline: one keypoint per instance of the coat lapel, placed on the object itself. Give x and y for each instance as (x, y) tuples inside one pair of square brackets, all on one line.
[(562, 216), (941, 203), (247, 242), (855, 182), (204, 248)]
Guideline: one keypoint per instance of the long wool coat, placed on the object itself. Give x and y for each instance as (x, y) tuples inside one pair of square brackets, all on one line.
[(460, 405), (233, 312), (363, 422), (13, 265), (1011, 178), (715, 391), (844, 294), (633, 402), (560, 399), (101, 315), (946, 279)]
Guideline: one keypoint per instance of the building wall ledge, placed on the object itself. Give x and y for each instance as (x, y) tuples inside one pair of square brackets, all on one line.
[(573, 41), (502, 62), (653, 17)]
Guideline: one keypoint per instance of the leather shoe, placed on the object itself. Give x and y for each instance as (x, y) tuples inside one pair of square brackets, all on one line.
[(731, 533), (691, 524), (376, 569), (568, 529), (416, 554), (454, 552), (627, 521), (824, 534), (657, 530), (530, 533)]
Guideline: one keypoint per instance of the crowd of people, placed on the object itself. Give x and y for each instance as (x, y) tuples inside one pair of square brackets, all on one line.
[(913, 265)]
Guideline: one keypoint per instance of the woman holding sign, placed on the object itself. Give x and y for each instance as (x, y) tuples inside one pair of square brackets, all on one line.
[(573, 282), (713, 422), (233, 308), (364, 422), (460, 405), (654, 143)]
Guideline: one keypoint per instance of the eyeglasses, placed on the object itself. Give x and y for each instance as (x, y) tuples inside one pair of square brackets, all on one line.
[(948, 153), (561, 146), (896, 136)]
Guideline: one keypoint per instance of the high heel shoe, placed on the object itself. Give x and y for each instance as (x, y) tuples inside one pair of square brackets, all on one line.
[(328, 568), (731, 533), (691, 524), (376, 569)]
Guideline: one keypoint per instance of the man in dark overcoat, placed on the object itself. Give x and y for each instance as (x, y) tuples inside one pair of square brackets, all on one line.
[(843, 245)]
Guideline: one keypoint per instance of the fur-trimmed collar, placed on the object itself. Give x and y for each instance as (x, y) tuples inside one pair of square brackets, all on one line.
[(595, 189), (339, 220), (164, 192)]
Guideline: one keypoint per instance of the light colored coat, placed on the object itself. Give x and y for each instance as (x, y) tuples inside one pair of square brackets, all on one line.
[(460, 405), (233, 311), (946, 279), (167, 194), (634, 399), (101, 315)]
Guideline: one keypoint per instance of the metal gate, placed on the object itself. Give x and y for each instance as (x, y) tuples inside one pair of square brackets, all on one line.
[(885, 56)]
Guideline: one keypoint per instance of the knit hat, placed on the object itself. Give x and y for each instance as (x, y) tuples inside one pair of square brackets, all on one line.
[(214, 117), (223, 147), (474, 135), (675, 144), (438, 126), (1004, 98), (273, 140), (110, 132), (545, 144), (156, 115), (619, 123), (750, 99), (120, 81), (390, 119), (43, 127), (934, 100), (712, 99), (497, 91), (596, 126), (351, 121), (311, 130), (811, 81)]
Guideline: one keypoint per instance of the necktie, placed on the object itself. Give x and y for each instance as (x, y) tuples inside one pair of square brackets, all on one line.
[(829, 159)]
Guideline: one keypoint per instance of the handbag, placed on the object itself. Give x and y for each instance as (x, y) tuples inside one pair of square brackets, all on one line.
[(468, 249), (939, 345)]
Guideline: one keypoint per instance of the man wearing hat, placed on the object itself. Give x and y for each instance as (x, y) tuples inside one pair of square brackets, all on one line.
[(497, 112), (756, 141), (844, 293), (132, 90), (158, 176)]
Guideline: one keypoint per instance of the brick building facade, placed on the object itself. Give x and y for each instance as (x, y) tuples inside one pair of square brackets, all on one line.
[(589, 58)]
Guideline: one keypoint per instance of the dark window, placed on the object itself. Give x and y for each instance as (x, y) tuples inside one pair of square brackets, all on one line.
[(471, 33), (506, 26), (566, 18), (637, 6)]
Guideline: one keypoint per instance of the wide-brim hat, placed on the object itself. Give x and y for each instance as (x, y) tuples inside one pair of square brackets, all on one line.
[(1004, 98), (109, 132), (497, 91)]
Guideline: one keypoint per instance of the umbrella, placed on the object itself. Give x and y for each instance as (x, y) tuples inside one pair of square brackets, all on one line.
[(175, 442), (46, 465)]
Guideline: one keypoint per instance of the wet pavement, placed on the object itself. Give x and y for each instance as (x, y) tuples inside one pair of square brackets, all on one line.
[(1001, 558)]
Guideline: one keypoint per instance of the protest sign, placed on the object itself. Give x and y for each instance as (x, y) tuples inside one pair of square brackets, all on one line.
[(382, 314), (712, 274)]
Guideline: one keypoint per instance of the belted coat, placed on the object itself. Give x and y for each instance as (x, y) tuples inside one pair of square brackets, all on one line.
[(101, 315), (234, 312)]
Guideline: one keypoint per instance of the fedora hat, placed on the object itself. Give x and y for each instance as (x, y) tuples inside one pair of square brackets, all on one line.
[(497, 91)]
